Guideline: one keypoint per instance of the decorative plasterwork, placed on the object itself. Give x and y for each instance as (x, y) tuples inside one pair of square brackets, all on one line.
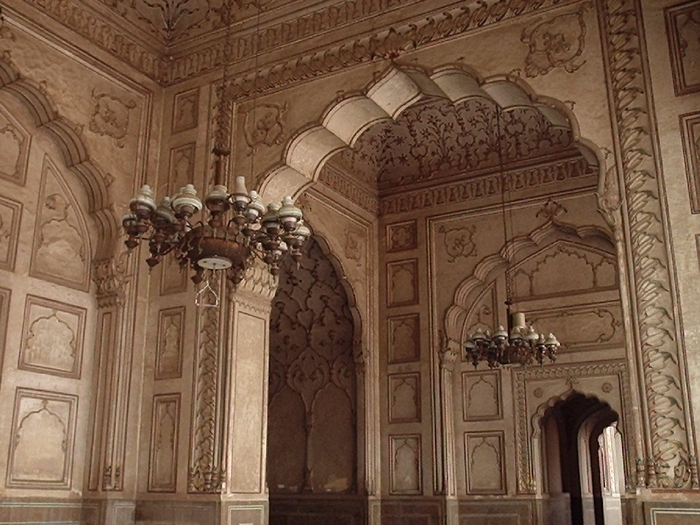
[(396, 96), (656, 329), (74, 150), (386, 42)]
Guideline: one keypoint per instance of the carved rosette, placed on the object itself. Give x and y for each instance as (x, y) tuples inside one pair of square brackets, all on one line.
[(669, 465)]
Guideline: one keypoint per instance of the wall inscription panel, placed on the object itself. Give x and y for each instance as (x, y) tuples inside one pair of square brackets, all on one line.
[(405, 457), (41, 450), (481, 396), (10, 215), (171, 326), (683, 29), (52, 337), (165, 425), (404, 338), (485, 462), (690, 129)]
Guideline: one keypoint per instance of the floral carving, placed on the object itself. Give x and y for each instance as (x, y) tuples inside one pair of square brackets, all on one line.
[(110, 117), (263, 125), (558, 42), (459, 242)]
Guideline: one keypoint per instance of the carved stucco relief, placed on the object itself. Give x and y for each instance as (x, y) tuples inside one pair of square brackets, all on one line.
[(656, 326), (404, 338), (61, 251), (556, 42), (14, 148), (169, 350), (312, 392), (405, 468), (41, 450), (10, 215), (185, 111), (165, 426), (690, 130), (181, 171), (683, 31), (52, 337), (264, 125), (481, 396), (404, 398), (485, 462), (402, 282), (110, 117), (401, 236)]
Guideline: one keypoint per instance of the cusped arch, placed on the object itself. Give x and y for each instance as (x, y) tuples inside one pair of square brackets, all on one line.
[(515, 250), (74, 150), (544, 407), (399, 88)]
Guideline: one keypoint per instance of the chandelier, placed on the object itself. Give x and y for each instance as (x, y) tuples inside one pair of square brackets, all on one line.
[(237, 227), (520, 343)]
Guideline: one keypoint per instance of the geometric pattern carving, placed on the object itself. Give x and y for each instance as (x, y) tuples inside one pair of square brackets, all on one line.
[(485, 462), (404, 338), (404, 398), (683, 31), (165, 425), (171, 331), (690, 129), (41, 449), (10, 214), (481, 396), (185, 111), (402, 282), (52, 337), (181, 167), (401, 236), (405, 460), (14, 148), (312, 380), (61, 244)]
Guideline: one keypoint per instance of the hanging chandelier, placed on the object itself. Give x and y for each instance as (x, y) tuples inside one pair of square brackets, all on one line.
[(520, 343), (237, 228)]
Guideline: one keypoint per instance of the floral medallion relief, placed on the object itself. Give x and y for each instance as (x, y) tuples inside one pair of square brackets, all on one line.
[(61, 248), (14, 148), (110, 117), (41, 450), (401, 236), (557, 42), (263, 125), (52, 337)]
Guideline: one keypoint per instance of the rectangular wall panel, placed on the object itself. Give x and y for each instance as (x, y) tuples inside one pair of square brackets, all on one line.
[(165, 428)]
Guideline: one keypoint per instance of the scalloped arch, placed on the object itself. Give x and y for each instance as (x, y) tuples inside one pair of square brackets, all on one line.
[(74, 150), (399, 88)]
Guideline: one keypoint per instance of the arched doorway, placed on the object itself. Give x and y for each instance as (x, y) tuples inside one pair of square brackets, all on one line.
[(312, 420), (582, 461)]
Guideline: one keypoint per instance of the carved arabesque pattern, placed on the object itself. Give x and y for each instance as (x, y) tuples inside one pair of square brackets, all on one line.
[(311, 344), (438, 139)]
